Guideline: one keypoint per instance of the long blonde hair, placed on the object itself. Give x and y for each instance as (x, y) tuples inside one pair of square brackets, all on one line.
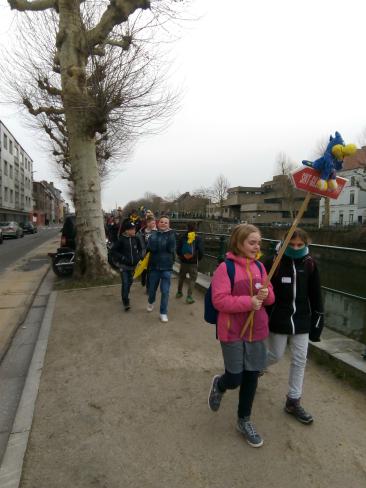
[(238, 236)]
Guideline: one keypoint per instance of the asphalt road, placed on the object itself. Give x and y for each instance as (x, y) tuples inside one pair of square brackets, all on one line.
[(13, 249)]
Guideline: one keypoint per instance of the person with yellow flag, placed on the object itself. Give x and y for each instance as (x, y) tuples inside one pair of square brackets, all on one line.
[(189, 251)]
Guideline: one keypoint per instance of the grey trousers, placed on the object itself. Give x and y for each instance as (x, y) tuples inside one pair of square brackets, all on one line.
[(192, 271)]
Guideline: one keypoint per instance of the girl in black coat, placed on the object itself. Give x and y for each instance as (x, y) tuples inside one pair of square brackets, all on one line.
[(296, 315)]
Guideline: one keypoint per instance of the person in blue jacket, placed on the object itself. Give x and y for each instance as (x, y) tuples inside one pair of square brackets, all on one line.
[(161, 245)]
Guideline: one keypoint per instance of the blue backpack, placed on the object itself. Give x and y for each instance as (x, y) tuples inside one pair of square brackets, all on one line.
[(211, 313)]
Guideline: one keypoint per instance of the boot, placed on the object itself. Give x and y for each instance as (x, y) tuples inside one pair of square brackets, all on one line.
[(294, 408)]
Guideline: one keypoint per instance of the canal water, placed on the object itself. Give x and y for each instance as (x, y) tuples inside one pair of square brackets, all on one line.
[(343, 277)]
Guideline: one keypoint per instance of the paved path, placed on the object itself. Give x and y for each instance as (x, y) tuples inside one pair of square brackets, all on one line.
[(123, 403)]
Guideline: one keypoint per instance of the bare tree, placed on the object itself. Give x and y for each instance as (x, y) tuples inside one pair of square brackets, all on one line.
[(284, 167), (219, 191), (77, 111)]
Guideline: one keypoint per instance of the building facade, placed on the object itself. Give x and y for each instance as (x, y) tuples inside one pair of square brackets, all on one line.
[(275, 202), (350, 206), (16, 183)]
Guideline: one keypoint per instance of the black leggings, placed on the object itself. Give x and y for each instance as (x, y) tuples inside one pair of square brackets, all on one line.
[(248, 381)]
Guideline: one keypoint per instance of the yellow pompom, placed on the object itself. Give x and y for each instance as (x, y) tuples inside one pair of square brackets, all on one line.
[(349, 149), (191, 237), (332, 185)]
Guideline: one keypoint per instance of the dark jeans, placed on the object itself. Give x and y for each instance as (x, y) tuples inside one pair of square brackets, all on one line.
[(248, 381), (126, 279), (162, 277)]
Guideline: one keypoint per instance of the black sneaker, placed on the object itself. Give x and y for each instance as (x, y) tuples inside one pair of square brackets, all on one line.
[(215, 395), (294, 408), (246, 427)]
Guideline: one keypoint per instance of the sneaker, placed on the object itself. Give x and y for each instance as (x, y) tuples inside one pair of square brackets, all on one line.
[(150, 307), (127, 308), (163, 317), (294, 408), (189, 299), (246, 427), (179, 294), (215, 395)]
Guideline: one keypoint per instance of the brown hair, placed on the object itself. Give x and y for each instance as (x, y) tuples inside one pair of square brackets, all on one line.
[(149, 218), (238, 236), (164, 217), (301, 234)]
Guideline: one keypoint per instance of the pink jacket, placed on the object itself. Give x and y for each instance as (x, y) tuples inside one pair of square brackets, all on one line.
[(234, 307)]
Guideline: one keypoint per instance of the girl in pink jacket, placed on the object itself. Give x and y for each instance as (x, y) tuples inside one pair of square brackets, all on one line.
[(243, 348)]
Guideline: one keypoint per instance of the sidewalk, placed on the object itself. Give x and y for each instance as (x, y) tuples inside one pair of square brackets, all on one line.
[(18, 286), (123, 404)]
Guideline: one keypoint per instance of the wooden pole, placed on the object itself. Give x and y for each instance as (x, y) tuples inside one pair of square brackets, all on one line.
[(276, 262)]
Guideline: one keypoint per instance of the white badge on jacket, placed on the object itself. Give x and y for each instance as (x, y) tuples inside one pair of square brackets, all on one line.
[(286, 279)]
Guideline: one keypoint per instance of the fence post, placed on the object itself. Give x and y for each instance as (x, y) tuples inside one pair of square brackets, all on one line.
[(221, 256)]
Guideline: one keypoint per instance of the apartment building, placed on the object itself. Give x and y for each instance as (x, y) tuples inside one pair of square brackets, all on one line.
[(350, 206), (16, 182)]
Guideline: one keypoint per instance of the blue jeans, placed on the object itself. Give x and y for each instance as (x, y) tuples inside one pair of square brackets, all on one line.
[(163, 277), (126, 279)]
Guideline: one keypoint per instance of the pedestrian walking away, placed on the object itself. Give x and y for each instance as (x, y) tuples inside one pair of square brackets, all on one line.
[(161, 245), (190, 252), (296, 316), (243, 348), (127, 252)]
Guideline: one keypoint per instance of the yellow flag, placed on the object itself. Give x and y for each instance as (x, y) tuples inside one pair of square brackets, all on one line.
[(141, 266)]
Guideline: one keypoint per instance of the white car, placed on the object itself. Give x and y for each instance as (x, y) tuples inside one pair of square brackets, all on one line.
[(11, 229)]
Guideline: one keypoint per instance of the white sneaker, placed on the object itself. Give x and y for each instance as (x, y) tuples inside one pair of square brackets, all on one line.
[(150, 307), (163, 317)]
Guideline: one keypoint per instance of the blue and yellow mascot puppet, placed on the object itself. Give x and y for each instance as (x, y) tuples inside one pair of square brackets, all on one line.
[(331, 162)]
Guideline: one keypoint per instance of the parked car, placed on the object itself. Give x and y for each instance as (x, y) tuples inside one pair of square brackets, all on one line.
[(28, 227), (1, 236), (11, 229)]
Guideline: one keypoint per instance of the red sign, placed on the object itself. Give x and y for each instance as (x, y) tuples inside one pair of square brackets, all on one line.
[(306, 179)]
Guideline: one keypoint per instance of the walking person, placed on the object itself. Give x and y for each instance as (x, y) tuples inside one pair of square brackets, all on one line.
[(296, 316), (127, 252), (161, 245), (243, 349), (189, 251), (145, 233)]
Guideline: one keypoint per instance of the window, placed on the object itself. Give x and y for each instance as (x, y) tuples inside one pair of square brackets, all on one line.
[(351, 217), (22, 158), (341, 218), (6, 194), (352, 198), (5, 141), (353, 181), (11, 196), (10, 146), (10, 171), (6, 168)]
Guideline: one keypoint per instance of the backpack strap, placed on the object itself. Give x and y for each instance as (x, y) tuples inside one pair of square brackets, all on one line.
[(230, 268), (260, 267)]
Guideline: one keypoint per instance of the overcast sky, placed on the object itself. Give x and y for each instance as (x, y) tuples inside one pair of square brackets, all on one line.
[(259, 78)]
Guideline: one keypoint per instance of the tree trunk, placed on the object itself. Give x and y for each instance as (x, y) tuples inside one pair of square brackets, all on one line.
[(91, 259)]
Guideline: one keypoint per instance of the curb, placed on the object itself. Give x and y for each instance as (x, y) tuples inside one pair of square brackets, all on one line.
[(12, 464)]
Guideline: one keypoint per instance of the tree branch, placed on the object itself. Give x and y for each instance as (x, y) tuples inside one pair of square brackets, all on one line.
[(23, 5), (41, 110), (125, 43), (44, 84), (117, 12)]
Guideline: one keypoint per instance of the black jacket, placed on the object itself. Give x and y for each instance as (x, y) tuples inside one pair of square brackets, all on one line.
[(298, 306), (197, 248), (127, 250), (162, 247)]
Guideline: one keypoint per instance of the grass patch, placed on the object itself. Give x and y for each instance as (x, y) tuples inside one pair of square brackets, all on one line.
[(69, 283)]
